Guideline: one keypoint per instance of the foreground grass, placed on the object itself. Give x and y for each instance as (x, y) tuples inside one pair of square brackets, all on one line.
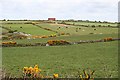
[(64, 60)]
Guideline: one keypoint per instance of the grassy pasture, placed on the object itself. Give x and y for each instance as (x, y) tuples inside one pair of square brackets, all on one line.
[(81, 31), (28, 28), (64, 60), (34, 30), (4, 22), (92, 23)]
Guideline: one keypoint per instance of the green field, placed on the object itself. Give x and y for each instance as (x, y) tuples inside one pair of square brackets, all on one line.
[(92, 23), (28, 28), (18, 21), (34, 30), (65, 60), (81, 31)]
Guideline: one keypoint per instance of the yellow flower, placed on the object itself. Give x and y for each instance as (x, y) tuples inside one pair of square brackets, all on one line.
[(36, 66), (55, 75), (87, 76), (81, 76), (31, 70), (36, 70), (92, 72), (25, 69)]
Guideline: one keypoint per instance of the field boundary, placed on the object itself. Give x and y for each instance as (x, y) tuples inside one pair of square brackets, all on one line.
[(46, 44)]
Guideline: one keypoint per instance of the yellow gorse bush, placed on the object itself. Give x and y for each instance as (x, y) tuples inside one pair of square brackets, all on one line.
[(35, 72), (31, 72), (108, 39), (87, 76), (43, 36), (55, 75), (25, 69), (9, 42), (57, 42)]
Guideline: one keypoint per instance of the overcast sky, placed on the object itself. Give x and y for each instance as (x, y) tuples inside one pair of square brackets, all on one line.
[(103, 10)]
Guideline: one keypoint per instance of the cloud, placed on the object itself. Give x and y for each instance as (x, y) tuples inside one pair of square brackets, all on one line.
[(61, 9)]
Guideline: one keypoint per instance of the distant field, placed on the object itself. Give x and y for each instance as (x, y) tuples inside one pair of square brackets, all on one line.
[(34, 30), (81, 31), (4, 22), (64, 60), (92, 23), (28, 28)]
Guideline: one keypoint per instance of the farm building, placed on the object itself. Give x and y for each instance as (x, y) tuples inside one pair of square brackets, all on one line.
[(51, 19)]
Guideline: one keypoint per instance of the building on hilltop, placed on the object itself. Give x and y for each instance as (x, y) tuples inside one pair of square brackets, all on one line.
[(51, 19)]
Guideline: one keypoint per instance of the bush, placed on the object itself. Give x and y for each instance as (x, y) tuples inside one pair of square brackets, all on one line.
[(108, 39), (91, 33), (44, 36), (62, 33), (52, 35), (109, 26), (93, 25), (9, 43), (35, 72), (99, 25), (57, 42), (10, 31), (15, 30), (31, 72)]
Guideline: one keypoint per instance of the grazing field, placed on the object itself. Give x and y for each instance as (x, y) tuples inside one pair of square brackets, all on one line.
[(14, 21), (81, 30), (64, 60), (28, 28), (92, 23)]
